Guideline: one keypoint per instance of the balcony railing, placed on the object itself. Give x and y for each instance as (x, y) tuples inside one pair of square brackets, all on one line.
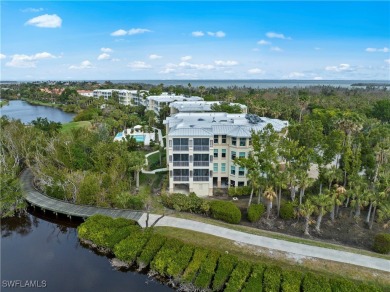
[(180, 148), (181, 163), (201, 178), (201, 148), (201, 163), (181, 178)]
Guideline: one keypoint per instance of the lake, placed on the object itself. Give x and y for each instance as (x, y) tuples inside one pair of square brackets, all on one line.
[(44, 249), (19, 109)]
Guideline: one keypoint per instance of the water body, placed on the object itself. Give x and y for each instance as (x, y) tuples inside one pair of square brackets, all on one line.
[(19, 109), (39, 248)]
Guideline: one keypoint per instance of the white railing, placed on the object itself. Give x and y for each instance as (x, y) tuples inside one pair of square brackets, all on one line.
[(201, 163), (201, 148), (180, 148), (181, 178), (181, 163), (201, 178)]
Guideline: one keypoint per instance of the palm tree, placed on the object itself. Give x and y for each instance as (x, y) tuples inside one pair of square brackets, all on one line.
[(269, 195), (189, 88), (305, 182), (202, 90), (337, 199), (253, 176), (323, 202), (306, 210)]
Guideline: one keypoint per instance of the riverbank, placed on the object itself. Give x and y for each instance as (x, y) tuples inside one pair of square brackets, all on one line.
[(36, 102), (4, 102)]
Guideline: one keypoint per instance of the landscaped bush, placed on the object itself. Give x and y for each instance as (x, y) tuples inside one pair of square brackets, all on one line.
[(199, 257), (180, 202), (131, 247), (287, 211), (176, 267), (225, 266), (291, 281), (206, 270), (239, 191), (225, 211), (238, 277), (166, 255), (272, 277), (255, 280), (315, 283), (150, 250), (255, 212), (135, 202), (382, 243), (342, 285)]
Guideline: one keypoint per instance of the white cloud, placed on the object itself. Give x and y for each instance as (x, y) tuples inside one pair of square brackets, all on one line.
[(134, 31), (317, 78), (295, 75), (276, 49), (106, 50), (154, 57), (197, 33), (83, 65), (2, 56), (218, 34), (46, 20), (26, 61), (256, 71), (186, 58), (339, 68), (32, 10), (225, 63), (119, 32), (196, 66), (103, 56), (263, 42), (387, 61), (167, 71), (139, 65), (374, 50), (274, 35)]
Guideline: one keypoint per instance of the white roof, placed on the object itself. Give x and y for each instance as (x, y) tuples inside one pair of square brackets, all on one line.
[(172, 98), (197, 106)]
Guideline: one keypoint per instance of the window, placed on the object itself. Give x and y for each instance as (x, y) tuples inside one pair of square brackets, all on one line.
[(180, 175), (223, 139), (234, 141), (201, 159), (240, 183), (201, 175), (242, 155), (232, 170), (180, 144), (180, 159), (216, 139), (223, 167), (215, 153), (242, 141), (241, 171), (233, 154), (201, 144), (250, 141), (223, 154), (215, 168), (211, 158), (232, 183)]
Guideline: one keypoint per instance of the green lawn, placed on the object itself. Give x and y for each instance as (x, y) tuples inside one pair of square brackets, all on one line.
[(74, 125)]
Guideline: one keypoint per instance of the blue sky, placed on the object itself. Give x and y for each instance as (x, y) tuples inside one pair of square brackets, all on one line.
[(126, 40)]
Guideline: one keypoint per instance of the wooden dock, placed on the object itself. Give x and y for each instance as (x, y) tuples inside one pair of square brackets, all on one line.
[(44, 202)]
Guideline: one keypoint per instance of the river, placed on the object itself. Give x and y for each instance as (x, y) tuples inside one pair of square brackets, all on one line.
[(19, 109), (41, 248)]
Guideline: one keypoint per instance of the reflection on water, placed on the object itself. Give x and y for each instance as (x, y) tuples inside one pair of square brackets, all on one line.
[(41, 247)]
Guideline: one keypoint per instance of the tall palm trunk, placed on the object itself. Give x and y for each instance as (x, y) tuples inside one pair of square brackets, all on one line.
[(279, 199), (259, 197), (269, 207), (357, 210), (307, 220), (372, 218), (319, 219), (332, 212), (369, 213), (301, 195)]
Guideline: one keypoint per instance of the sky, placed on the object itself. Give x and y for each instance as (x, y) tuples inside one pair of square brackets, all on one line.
[(166, 40)]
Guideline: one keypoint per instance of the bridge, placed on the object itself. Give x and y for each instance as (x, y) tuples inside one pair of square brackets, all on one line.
[(37, 199)]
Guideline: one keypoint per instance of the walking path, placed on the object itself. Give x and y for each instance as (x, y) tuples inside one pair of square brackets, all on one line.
[(303, 250)]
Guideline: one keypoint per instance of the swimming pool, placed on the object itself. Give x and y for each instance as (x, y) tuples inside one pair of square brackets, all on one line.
[(119, 135), (139, 138)]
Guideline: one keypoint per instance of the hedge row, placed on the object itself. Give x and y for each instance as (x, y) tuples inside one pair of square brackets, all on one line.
[(225, 211), (190, 203), (202, 268)]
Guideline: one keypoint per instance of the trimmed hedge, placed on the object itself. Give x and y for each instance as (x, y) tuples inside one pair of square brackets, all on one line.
[(176, 267), (150, 250), (272, 279), (131, 247), (226, 264), (382, 243), (314, 283), (255, 281), (225, 211), (287, 211), (255, 212), (200, 255), (238, 277), (180, 202), (165, 256), (291, 281), (206, 270)]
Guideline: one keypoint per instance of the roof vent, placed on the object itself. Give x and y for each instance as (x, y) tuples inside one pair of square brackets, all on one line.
[(191, 126), (213, 121), (200, 119)]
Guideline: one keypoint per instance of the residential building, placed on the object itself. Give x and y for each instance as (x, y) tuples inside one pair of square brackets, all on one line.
[(157, 102), (199, 106), (87, 93), (126, 97), (201, 148)]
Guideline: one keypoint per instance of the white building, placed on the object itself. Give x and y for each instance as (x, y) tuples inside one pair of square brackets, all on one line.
[(126, 97), (87, 93), (199, 106), (201, 148), (157, 102)]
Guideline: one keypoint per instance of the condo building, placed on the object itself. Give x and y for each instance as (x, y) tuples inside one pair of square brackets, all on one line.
[(202, 146)]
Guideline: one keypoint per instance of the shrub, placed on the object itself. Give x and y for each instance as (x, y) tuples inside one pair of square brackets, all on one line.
[(291, 281), (200, 255), (255, 281), (180, 261), (135, 202), (342, 285), (271, 281), (239, 191), (313, 283), (165, 255), (150, 250), (287, 211), (206, 270), (129, 248), (255, 212), (181, 202), (225, 211), (238, 277), (382, 243), (226, 264)]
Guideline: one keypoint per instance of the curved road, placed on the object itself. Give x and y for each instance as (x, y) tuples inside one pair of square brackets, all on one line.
[(57, 206)]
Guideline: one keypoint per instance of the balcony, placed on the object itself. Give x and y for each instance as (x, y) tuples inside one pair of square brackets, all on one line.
[(180, 148), (201, 163), (201, 148), (181, 163), (181, 178), (201, 178)]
